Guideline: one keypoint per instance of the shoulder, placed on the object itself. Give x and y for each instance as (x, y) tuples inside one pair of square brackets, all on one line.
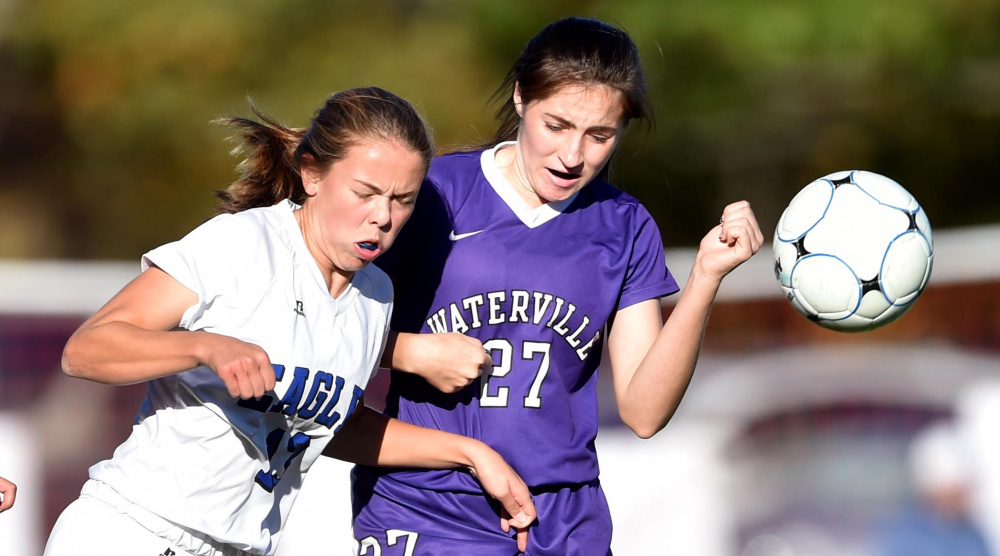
[(453, 170), (614, 202), (604, 192), (246, 228), (452, 178), (238, 245), (462, 161)]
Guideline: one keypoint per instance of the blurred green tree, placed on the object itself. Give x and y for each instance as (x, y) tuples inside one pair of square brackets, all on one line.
[(106, 148)]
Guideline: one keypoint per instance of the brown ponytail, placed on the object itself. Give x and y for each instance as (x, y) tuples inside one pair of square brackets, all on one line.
[(268, 173)]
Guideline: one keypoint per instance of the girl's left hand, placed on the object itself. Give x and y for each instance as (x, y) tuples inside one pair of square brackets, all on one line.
[(734, 240), (501, 482), (8, 490)]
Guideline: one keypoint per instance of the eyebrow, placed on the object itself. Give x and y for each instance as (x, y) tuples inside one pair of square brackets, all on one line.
[(371, 186), (376, 189), (599, 129)]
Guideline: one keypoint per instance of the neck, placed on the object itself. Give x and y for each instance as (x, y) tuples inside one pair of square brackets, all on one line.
[(512, 169), (335, 278)]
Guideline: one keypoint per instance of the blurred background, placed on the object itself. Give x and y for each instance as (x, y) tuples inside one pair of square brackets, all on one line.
[(792, 440)]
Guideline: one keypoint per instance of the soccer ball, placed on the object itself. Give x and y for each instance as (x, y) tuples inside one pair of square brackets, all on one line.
[(853, 251)]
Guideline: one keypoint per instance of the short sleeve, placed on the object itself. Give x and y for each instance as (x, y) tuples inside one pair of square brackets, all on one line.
[(208, 260), (647, 275)]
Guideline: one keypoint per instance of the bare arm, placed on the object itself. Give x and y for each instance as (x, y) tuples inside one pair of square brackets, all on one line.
[(132, 338), (653, 365), (449, 361), (370, 438)]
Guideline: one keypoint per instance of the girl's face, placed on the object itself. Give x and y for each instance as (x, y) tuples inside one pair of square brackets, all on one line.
[(564, 141), (358, 206)]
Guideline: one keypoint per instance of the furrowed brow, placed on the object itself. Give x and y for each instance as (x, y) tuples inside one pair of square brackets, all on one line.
[(602, 129), (561, 121), (370, 186)]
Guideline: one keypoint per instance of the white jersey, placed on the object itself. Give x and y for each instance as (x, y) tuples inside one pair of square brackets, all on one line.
[(227, 468)]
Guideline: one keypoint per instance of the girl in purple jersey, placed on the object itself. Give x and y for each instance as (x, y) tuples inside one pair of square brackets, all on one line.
[(525, 250)]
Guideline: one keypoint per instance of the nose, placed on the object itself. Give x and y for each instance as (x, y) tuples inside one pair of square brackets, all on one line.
[(572, 152), (381, 215)]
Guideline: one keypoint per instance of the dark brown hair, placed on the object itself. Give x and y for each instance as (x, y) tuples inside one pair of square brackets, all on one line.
[(573, 51), (273, 153)]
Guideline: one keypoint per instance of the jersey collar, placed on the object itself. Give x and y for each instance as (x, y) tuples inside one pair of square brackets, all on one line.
[(531, 217)]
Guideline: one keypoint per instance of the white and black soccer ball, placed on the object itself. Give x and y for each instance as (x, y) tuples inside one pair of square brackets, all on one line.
[(853, 251)]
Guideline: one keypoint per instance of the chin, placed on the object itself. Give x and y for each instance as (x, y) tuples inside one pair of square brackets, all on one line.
[(559, 195)]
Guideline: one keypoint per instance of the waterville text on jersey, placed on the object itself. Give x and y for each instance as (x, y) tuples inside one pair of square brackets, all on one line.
[(524, 307)]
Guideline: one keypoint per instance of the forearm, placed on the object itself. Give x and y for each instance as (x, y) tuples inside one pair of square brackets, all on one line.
[(371, 438), (447, 361), (649, 387), (121, 353), (402, 351), (391, 357), (661, 378)]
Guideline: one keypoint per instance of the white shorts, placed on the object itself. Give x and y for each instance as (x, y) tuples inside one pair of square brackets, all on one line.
[(92, 526), (89, 527)]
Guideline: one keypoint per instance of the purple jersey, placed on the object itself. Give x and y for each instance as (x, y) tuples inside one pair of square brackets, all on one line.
[(537, 287)]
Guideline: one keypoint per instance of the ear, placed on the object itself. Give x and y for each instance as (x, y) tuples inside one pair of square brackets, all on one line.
[(310, 176), (518, 106)]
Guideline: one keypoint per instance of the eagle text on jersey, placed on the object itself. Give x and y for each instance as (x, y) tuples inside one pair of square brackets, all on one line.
[(310, 395)]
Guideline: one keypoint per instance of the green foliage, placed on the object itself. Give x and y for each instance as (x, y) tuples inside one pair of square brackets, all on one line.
[(106, 148)]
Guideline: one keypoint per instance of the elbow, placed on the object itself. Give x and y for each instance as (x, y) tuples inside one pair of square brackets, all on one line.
[(69, 364), (72, 360), (644, 428), (645, 432)]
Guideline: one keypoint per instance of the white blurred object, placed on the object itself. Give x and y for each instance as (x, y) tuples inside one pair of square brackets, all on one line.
[(61, 287), (978, 411), (669, 494), (939, 459), (20, 526)]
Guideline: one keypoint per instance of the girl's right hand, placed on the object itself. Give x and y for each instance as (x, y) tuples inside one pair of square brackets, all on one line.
[(245, 368), (448, 361)]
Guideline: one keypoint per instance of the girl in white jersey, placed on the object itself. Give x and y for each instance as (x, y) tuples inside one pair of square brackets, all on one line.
[(257, 333)]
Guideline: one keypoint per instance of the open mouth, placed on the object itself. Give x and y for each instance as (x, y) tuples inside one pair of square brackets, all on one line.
[(563, 175), (367, 245)]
